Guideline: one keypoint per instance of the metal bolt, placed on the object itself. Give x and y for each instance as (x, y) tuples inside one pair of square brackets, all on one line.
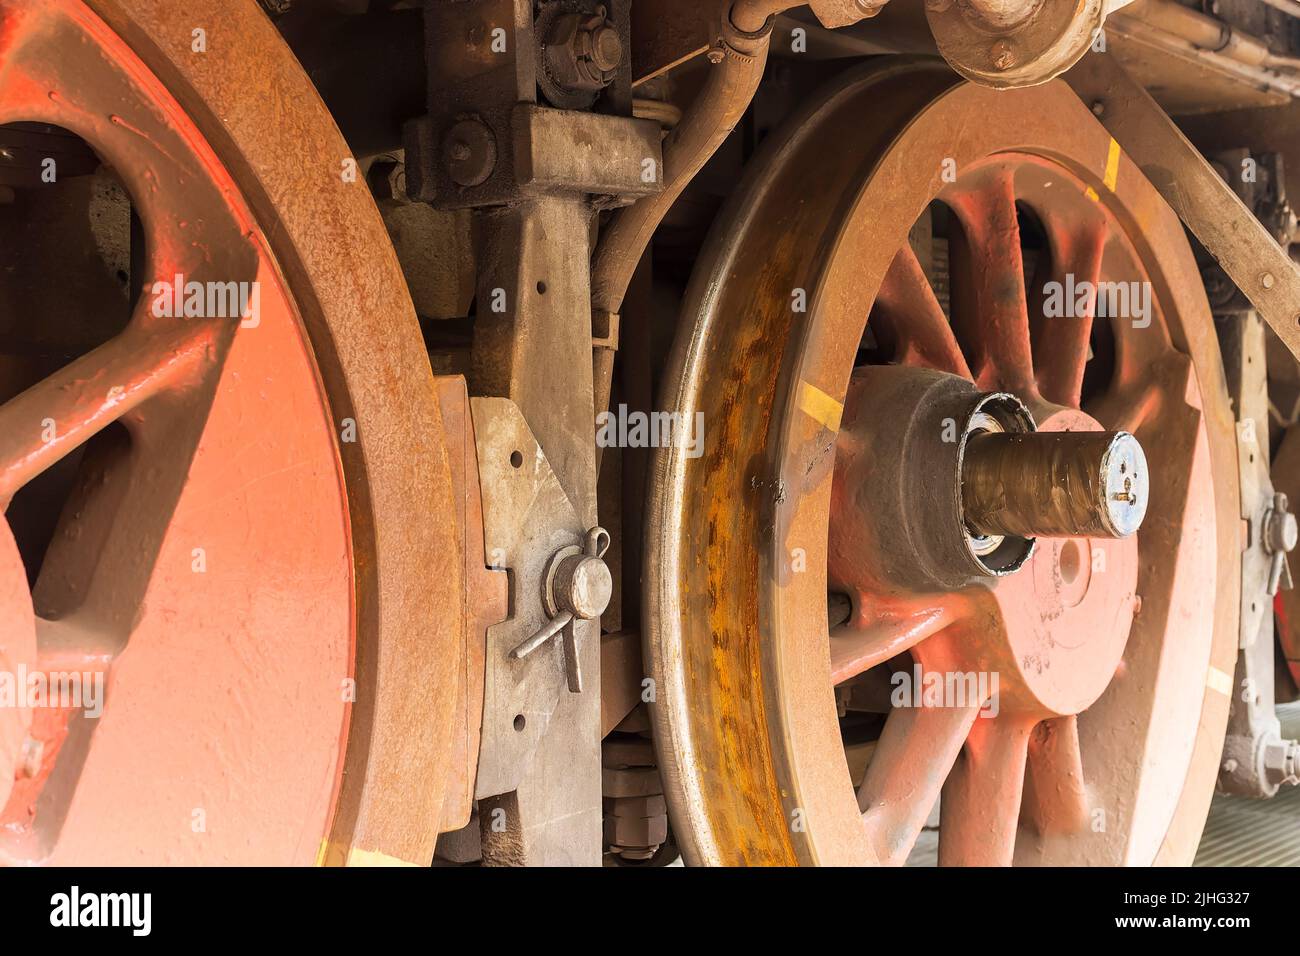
[(584, 586), (1267, 280), (606, 48), (716, 54), (578, 586), (1055, 484), (1281, 532), (470, 152), (1280, 757), (1003, 55), (1098, 108)]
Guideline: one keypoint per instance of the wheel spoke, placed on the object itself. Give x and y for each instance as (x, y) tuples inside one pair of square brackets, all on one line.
[(908, 314), (981, 800), (990, 311), (913, 757), (47, 421), (1056, 800), (888, 631), (1060, 341)]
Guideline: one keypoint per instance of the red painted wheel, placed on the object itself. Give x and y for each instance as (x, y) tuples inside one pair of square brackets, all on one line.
[(826, 439), (254, 540)]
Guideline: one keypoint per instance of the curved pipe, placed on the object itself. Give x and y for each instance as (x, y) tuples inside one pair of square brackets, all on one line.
[(726, 95)]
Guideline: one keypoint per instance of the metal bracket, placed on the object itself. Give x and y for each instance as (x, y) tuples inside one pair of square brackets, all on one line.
[(527, 518), (1228, 230), (1256, 760)]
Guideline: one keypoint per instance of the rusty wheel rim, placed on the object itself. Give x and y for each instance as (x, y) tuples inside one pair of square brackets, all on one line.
[(736, 600), (215, 564)]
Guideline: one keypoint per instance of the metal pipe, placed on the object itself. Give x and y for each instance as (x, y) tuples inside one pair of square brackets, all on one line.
[(1209, 34), (727, 93), (751, 15), (1054, 484), (1291, 7), (733, 80)]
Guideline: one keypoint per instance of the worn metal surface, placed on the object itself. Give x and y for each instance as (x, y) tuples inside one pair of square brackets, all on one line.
[(487, 601), (586, 152), (527, 518), (736, 593), (1012, 43), (1262, 270), (300, 213)]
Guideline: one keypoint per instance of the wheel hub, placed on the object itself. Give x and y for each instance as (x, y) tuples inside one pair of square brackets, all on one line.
[(941, 487)]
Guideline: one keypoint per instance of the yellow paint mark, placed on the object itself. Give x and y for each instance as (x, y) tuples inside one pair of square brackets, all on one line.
[(1112, 166), (1111, 177), (331, 854), (1220, 681), (820, 406)]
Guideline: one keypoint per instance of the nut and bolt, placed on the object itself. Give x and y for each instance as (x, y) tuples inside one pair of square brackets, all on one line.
[(582, 52), (470, 152), (576, 586), (1280, 533), (1003, 55), (583, 586), (1280, 762), (606, 48)]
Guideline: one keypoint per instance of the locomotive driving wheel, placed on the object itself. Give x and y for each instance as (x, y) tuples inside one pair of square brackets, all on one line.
[(251, 537), (892, 286)]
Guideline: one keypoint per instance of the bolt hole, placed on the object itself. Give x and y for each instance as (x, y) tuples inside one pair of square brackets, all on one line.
[(1071, 562), (541, 288), (516, 459), (520, 723)]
